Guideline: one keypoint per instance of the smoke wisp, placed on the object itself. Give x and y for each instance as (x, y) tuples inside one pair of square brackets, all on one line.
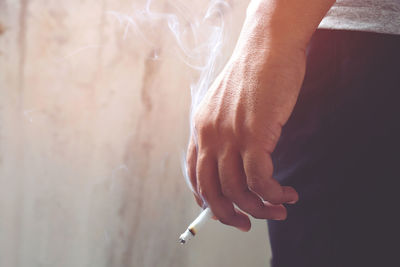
[(196, 36)]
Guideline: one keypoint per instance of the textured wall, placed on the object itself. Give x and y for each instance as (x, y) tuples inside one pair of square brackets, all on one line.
[(92, 127)]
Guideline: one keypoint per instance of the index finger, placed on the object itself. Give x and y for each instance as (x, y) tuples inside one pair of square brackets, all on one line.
[(210, 190)]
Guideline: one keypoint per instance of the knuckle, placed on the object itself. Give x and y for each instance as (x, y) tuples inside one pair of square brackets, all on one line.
[(191, 157), (225, 154), (203, 128), (191, 169), (226, 218), (202, 157), (211, 128), (272, 132), (246, 129), (191, 153), (256, 206), (203, 193), (273, 197), (252, 169), (228, 191), (253, 185), (189, 160), (255, 209), (259, 212), (206, 196), (270, 194)]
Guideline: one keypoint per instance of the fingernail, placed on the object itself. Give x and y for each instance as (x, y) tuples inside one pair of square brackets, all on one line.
[(281, 217), (294, 199), (243, 229), (245, 225)]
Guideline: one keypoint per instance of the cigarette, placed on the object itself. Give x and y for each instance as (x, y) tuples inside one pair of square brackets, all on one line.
[(195, 226)]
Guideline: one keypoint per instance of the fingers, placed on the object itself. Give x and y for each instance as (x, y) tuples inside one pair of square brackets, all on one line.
[(234, 187), (258, 168), (245, 180), (191, 165), (210, 190)]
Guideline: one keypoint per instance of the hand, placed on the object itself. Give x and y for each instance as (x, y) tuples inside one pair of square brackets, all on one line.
[(236, 129)]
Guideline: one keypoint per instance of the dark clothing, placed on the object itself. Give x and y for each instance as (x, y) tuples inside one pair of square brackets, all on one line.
[(341, 151)]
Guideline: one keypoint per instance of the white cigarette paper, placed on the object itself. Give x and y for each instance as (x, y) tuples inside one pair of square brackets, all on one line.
[(195, 226)]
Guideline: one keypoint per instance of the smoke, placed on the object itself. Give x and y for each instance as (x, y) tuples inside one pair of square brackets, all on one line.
[(197, 37)]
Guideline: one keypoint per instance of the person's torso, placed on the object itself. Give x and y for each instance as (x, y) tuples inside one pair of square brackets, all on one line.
[(382, 16)]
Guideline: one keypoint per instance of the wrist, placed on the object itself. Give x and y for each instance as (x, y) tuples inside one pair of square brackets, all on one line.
[(286, 24), (264, 37), (271, 27)]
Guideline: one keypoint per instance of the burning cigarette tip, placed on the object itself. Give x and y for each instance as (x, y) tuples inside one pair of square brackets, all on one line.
[(195, 225)]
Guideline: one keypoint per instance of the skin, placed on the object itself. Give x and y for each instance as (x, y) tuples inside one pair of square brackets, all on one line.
[(239, 121)]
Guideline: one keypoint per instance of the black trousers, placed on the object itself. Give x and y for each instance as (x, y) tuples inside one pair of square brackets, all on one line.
[(341, 150)]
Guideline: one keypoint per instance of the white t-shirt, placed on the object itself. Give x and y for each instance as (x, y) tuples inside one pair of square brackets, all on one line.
[(381, 16)]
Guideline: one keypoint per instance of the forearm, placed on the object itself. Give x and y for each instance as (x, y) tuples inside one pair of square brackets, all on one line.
[(240, 118), (270, 54), (281, 24), (289, 21)]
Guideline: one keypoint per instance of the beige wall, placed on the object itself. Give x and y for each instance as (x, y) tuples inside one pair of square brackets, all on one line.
[(92, 128)]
